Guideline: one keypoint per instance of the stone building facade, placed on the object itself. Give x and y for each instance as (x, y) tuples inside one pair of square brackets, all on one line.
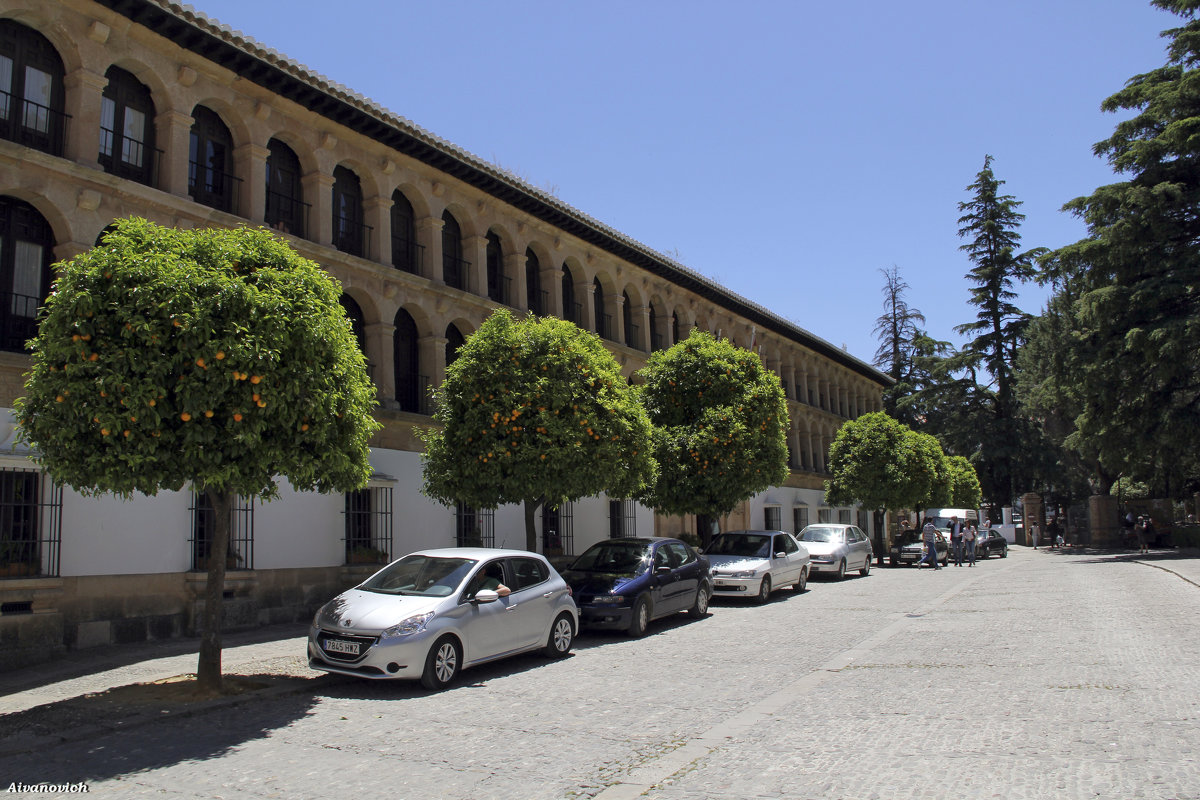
[(143, 107)]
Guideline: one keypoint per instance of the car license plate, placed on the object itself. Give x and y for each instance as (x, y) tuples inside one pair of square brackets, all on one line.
[(341, 646), (723, 583)]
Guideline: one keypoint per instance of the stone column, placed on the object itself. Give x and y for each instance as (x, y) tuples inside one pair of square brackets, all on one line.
[(378, 343), (1104, 526), (789, 381), (433, 359), (552, 285), (1033, 511), (641, 319), (587, 304), (84, 92), (173, 131), (514, 267), (318, 188), (377, 213), (253, 160), (475, 251)]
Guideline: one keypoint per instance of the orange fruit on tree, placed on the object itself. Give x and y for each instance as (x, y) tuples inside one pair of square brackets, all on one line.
[(185, 416)]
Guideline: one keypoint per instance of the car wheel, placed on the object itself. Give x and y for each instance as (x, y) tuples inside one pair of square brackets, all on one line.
[(441, 665), (699, 609), (799, 585), (841, 573), (562, 634), (764, 590), (640, 619), (946, 560), (1004, 553), (866, 568)]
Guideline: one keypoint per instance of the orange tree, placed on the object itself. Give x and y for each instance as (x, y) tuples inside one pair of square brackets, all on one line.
[(532, 411), (215, 358), (720, 426)]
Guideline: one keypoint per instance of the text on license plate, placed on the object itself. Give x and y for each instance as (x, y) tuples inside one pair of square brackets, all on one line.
[(340, 646)]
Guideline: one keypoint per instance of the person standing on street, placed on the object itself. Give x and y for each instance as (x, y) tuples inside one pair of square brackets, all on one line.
[(1033, 534), (929, 536), (956, 540), (969, 536)]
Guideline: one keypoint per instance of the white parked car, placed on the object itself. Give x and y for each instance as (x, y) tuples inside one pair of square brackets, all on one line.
[(752, 563), (431, 614), (837, 548)]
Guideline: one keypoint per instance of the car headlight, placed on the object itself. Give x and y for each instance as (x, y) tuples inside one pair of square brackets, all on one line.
[(608, 599), (408, 627), (746, 573)]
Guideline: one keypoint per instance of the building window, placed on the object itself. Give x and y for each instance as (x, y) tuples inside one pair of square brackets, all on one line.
[(571, 310), (286, 210), (622, 518), (558, 530), (407, 255), (454, 340), (240, 553), (411, 385), (30, 524), (474, 527), (26, 246), (358, 327), (773, 518), (454, 267), (631, 330), (350, 235), (603, 321), (824, 515), (844, 516), (799, 518), (535, 298), (211, 181), (127, 128), (369, 525), (31, 89), (656, 339), (498, 284)]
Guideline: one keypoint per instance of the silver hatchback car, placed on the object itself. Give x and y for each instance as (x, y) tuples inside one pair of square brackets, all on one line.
[(433, 613)]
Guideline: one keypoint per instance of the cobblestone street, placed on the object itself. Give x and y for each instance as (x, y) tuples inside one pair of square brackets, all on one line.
[(1043, 675)]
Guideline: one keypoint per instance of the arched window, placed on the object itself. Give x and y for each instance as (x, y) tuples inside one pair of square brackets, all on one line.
[(210, 162), (454, 340), (534, 299), (631, 331), (286, 209), (570, 310), (127, 128), (406, 253), (497, 283), (454, 268), (656, 339), (357, 321), (406, 360), (26, 247), (31, 89), (674, 328), (603, 321), (349, 233)]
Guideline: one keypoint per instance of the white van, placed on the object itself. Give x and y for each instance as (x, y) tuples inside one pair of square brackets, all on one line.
[(940, 517)]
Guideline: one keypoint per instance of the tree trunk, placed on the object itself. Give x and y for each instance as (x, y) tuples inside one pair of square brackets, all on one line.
[(208, 667), (531, 507)]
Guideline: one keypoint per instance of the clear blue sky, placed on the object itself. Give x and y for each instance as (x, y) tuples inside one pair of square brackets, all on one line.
[(787, 149)]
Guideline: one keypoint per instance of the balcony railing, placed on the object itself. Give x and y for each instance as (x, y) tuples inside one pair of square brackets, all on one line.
[(455, 272), (286, 213), (407, 255), (351, 236), (539, 302), (213, 188), (501, 292), (18, 320), (412, 393), (133, 162), (32, 124)]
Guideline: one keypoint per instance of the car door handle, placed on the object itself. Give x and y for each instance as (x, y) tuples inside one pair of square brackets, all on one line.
[(548, 594), (513, 607)]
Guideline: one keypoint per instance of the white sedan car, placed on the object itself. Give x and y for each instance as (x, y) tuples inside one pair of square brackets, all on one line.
[(433, 613), (752, 563), (837, 548)]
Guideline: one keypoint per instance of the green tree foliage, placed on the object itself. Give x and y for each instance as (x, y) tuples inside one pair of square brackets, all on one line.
[(535, 411), (216, 358), (720, 426), (1133, 285), (965, 491), (931, 470), (901, 340), (990, 224), (871, 462)]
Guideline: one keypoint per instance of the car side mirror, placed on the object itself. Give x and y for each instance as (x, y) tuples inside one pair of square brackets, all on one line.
[(486, 596), (781, 555), (662, 572)]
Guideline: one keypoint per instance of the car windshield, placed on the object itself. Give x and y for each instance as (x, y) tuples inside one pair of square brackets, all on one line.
[(428, 576), (619, 558), (744, 545), (833, 535), (909, 537)]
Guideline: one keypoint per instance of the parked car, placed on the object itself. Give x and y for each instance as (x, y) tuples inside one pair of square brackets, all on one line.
[(752, 563), (434, 613), (909, 548), (837, 548), (626, 583), (991, 542)]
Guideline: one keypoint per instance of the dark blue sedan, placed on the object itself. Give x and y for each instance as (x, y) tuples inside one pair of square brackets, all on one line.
[(624, 584)]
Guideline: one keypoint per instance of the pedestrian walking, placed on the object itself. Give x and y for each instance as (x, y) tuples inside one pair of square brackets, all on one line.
[(929, 535), (969, 537), (956, 540), (1034, 533)]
